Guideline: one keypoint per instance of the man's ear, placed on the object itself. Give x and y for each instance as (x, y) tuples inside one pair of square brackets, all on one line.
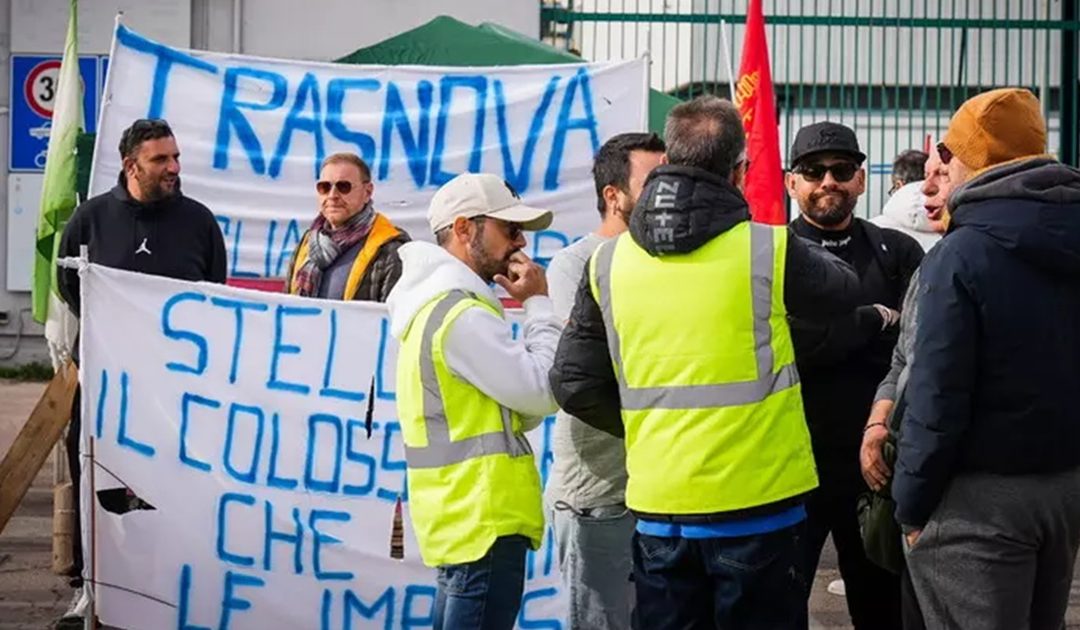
[(738, 176), (789, 183), (663, 159), (611, 198), (462, 229)]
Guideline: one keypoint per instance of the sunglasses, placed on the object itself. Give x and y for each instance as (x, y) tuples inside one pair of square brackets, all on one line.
[(513, 230), (324, 187), (944, 153), (841, 171)]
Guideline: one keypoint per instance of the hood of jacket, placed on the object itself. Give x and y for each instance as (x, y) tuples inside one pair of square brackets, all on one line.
[(906, 209), (1031, 207), (428, 271), (681, 208)]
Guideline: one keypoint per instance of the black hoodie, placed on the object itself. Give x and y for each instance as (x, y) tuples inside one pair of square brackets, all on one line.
[(998, 350), (176, 237), (817, 284)]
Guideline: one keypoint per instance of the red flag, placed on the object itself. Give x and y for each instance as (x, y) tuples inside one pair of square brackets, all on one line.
[(757, 104)]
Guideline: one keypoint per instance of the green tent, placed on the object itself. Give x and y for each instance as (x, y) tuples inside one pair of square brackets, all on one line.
[(445, 41)]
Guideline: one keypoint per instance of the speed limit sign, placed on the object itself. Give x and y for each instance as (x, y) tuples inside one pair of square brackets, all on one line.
[(39, 89), (34, 83)]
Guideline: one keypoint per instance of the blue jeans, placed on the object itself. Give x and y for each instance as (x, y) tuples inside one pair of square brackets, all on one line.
[(752, 582), (594, 560), (484, 594)]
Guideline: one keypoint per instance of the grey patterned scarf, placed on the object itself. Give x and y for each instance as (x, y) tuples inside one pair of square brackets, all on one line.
[(325, 244)]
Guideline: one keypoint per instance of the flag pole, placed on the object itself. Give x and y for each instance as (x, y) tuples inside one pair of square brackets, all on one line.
[(90, 586), (106, 98), (727, 58)]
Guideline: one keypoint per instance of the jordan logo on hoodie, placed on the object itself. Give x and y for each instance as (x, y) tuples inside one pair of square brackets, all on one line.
[(143, 249)]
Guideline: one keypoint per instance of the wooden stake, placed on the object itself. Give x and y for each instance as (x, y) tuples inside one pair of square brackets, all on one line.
[(32, 445)]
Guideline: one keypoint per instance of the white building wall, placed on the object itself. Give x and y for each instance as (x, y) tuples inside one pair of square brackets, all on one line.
[(319, 30)]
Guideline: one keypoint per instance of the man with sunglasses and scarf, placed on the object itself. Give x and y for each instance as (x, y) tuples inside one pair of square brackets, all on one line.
[(350, 250), (841, 362)]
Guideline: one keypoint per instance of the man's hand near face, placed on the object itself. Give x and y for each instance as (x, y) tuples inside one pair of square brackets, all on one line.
[(525, 278)]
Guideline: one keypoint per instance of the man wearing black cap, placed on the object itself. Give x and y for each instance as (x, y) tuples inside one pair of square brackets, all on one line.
[(842, 362)]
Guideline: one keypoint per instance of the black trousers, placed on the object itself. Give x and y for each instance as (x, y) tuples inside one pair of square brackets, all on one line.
[(74, 469), (873, 594)]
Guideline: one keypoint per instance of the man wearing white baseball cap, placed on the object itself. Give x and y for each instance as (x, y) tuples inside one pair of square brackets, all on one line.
[(467, 392)]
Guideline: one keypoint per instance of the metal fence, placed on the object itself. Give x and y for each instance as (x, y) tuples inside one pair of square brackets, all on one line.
[(894, 70)]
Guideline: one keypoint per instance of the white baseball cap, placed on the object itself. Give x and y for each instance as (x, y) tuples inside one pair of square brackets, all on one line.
[(483, 195)]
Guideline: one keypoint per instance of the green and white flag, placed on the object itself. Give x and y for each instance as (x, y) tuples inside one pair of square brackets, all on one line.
[(58, 196)]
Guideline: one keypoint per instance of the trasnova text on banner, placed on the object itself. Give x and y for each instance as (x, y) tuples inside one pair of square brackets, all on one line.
[(253, 131), (239, 417)]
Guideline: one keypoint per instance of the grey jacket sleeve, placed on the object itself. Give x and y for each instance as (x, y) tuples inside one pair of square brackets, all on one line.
[(905, 344), (887, 388), (564, 274)]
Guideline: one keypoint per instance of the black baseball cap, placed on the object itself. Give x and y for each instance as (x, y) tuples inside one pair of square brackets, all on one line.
[(825, 137)]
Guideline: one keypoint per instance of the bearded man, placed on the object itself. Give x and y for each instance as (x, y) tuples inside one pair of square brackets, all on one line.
[(841, 362), (143, 224)]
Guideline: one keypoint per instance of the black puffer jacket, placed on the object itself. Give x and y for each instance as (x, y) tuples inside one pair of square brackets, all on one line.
[(817, 285), (997, 354)]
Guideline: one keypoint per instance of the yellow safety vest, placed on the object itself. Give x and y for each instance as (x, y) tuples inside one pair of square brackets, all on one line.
[(702, 352), (382, 231), (471, 477)]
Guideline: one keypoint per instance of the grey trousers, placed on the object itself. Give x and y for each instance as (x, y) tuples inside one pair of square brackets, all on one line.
[(998, 552), (595, 560)]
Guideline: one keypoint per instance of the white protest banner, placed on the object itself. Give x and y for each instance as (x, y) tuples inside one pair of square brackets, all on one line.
[(253, 131), (240, 421)]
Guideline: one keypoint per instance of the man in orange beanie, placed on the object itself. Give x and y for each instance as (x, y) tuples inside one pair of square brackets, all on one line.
[(987, 480)]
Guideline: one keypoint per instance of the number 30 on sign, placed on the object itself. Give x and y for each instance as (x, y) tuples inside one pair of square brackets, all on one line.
[(39, 90)]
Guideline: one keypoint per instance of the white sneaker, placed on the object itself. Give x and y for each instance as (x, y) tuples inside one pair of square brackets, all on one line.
[(80, 603), (836, 587)]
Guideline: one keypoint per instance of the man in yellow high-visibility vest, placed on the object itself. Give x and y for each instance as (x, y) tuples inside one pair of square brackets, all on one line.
[(679, 340), (467, 391)]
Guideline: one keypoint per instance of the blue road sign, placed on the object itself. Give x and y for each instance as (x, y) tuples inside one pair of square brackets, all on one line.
[(33, 94)]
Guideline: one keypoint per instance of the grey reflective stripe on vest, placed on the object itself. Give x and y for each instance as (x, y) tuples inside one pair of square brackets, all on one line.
[(706, 396), (441, 451)]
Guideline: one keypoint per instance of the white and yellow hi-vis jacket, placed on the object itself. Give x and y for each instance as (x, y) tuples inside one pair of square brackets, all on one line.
[(466, 394)]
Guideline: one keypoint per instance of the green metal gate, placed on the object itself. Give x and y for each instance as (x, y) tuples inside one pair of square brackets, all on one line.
[(894, 70)]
